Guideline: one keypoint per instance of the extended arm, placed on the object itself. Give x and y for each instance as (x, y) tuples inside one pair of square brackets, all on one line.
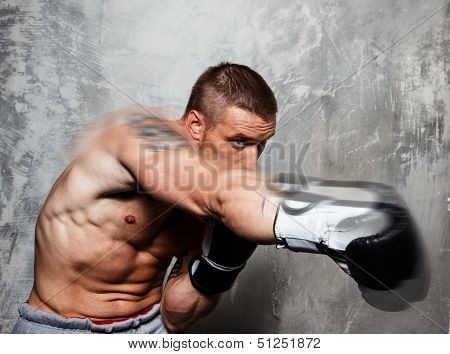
[(168, 168)]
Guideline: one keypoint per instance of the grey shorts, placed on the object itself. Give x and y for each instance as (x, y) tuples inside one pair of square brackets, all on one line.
[(32, 320)]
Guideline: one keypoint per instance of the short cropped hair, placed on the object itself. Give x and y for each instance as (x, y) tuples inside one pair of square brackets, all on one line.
[(231, 85)]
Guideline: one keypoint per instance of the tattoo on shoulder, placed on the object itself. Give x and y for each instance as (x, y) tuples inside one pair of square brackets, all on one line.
[(148, 126), (134, 117), (156, 135)]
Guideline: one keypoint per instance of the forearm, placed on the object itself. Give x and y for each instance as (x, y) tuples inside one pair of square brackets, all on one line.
[(182, 304), (244, 204)]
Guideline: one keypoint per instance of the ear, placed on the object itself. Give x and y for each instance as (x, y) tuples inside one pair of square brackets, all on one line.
[(196, 125)]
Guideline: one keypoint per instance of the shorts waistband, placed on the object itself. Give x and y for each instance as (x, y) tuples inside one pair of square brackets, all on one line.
[(120, 319), (31, 314)]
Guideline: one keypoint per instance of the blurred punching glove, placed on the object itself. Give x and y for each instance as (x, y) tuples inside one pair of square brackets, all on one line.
[(362, 226)]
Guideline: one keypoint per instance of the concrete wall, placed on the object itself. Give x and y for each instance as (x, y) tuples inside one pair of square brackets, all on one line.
[(364, 83)]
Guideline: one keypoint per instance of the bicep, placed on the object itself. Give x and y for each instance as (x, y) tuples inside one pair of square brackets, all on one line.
[(178, 286), (181, 303)]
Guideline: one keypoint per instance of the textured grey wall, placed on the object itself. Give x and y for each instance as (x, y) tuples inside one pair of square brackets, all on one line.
[(365, 83)]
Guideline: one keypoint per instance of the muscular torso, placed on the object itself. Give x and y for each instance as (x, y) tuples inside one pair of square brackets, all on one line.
[(103, 246)]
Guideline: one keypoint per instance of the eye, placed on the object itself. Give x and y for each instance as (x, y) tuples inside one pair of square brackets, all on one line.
[(238, 144)]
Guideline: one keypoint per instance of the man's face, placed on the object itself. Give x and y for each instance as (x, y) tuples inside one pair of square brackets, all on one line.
[(239, 137)]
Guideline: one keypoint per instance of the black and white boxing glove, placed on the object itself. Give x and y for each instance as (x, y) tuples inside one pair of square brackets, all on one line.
[(224, 256), (362, 226)]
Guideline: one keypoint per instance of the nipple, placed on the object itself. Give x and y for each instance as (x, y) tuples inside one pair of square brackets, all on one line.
[(130, 219)]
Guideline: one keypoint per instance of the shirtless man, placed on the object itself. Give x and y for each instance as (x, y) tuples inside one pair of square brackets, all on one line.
[(144, 192), (103, 246)]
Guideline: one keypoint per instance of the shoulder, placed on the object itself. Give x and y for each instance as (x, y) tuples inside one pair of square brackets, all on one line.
[(127, 129)]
